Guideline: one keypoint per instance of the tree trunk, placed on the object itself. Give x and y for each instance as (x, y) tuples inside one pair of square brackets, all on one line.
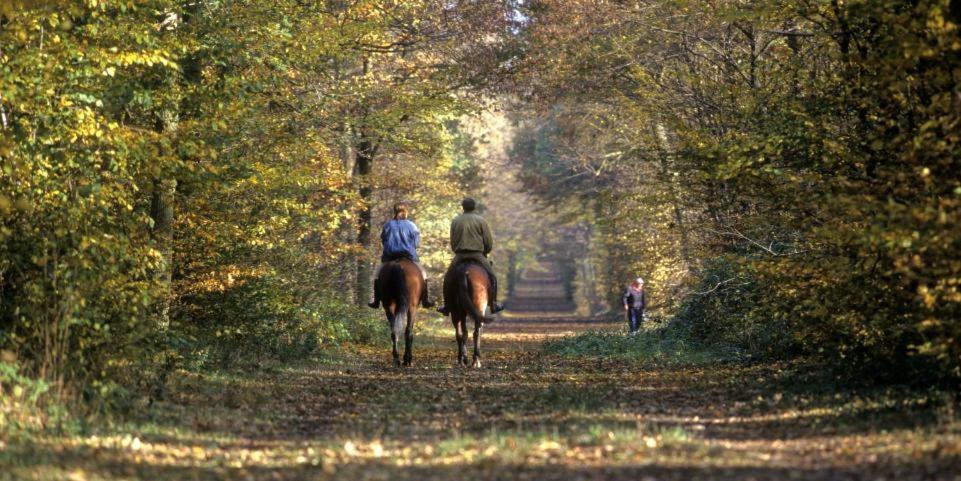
[(162, 213), (347, 270), (363, 166), (667, 153)]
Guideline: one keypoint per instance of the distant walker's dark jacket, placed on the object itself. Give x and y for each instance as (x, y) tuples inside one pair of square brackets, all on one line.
[(634, 299)]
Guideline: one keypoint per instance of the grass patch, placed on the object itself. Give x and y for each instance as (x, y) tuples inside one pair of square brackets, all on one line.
[(660, 346), (28, 407)]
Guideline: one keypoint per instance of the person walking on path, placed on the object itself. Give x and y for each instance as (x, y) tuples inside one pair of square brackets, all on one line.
[(400, 238), (634, 300), (471, 239)]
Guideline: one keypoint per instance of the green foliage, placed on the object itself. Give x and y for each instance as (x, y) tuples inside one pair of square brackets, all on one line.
[(77, 264), (854, 234), (808, 152), (179, 180)]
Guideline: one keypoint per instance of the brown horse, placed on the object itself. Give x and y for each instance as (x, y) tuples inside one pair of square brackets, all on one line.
[(401, 284), (467, 292)]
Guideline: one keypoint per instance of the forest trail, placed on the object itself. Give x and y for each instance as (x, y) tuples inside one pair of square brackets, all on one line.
[(525, 415), (540, 291)]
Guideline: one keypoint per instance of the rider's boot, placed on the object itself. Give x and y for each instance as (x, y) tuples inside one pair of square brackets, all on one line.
[(495, 306), (376, 302)]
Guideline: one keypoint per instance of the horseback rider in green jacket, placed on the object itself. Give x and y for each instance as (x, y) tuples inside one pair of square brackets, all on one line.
[(471, 239)]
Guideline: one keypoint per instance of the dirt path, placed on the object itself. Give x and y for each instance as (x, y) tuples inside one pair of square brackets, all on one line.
[(524, 415)]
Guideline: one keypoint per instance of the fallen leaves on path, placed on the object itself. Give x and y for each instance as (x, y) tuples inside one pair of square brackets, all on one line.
[(525, 415)]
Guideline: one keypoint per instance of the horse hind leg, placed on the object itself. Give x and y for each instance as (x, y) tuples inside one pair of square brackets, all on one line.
[(458, 337), (462, 337), (477, 336), (398, 320), (393, 341), (409, 339)]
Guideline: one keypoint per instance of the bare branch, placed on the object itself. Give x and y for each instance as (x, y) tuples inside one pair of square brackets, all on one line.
[(733, 232), (718, 285)]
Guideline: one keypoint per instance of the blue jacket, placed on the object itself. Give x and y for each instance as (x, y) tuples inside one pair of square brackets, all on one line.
[(400, 238)]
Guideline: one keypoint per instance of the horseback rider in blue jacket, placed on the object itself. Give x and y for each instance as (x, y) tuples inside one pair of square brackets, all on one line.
[(400, 238)]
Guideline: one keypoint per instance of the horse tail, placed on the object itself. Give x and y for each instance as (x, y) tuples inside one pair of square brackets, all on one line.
[(465, 300), (394, 286), (399, 321)]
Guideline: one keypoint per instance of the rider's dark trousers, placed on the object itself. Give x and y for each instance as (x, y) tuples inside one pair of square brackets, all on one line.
[(474, 256), (634, 318)]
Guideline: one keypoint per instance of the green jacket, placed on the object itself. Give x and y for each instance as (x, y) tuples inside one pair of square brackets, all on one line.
[(469, 232)]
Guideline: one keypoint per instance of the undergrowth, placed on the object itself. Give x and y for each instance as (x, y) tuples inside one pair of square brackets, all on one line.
[(27, 406), (661, 346), (266, 325)]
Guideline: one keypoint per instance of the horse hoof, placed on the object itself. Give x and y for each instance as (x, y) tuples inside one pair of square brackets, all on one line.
[(477, 363)]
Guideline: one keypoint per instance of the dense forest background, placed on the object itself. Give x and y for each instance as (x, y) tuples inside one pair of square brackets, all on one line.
[(197, 184)]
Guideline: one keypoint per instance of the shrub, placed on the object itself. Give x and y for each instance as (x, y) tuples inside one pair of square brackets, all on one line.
[(261, 318), (725, 307)]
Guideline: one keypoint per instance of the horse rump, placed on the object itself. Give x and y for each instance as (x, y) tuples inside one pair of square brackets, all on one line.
[(465, 289), (393, 285)]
